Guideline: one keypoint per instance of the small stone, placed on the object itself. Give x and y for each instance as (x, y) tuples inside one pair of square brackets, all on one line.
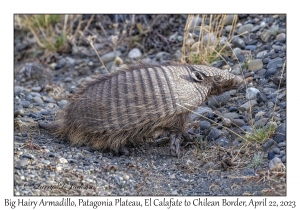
[(172, 176), (68, 79), (228, 28), (213, 133), (270, 104), (110, 56), (270, 72), (231, 115), (208, 39), (280, 133), (233, 109), (255, 28), (62, 103), (281, 37), (268, 144), (36, 89), (58, 168), (222, 141), (201, 110), (256, 64), (246, 106), (229, 19), (262, 54), (274, 163), (261, 123), (204, 125), (236, 51), (238, 42), (21, 163), (226, 122), (265, 36), (250, 47), (134, 53), (38, 100), (251, 93), (90, 63), (268, 91), (249, 172), (281, 144), (28, 156), (25, 104), (245, 29), (238, 122), (271, 155), (273, 63), (216, 101), (283, 159), (276, 150), (62, 160)]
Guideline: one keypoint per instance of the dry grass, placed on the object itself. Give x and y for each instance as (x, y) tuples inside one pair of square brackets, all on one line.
[(50, 31), (204, 44)]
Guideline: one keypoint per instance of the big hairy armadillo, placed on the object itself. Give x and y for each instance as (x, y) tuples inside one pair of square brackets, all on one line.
[(125, 106)]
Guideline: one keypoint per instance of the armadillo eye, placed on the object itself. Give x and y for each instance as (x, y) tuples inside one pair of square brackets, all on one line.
[(217, 78)]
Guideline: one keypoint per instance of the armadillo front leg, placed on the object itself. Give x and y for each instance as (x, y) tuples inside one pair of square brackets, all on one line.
[(175, 139)]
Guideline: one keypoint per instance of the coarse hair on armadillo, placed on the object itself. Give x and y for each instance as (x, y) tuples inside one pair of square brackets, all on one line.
[(123, 107)]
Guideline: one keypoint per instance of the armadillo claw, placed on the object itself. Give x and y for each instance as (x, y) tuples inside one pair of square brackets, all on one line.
[(175, 145)]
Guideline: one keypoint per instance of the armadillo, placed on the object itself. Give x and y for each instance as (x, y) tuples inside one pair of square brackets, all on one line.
[(122, 108)]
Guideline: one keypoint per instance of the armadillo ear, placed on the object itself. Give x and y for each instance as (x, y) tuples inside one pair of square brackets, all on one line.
[(198, 76)]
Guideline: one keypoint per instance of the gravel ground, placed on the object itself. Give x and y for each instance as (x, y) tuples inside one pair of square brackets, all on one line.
[(218, 163)]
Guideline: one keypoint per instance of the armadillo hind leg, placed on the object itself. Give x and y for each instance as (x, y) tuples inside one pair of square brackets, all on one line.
[(121, 151), (175, 140)]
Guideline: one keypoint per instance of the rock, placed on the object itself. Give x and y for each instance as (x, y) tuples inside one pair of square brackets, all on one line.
[(270, 72), (238, 122), (268, 91), (204, 125), (255, 28), (231, 115), (261, 123), (276, 150), (268, 144), (134, 53), (161, 56), (62, 103), (25, 104), (236, 71), (274, 63), (262, 54), (233, 109), (280, 133), (216, 101), (265, 36), (283, 159), (238, 42), (226, 122), (270, 104), (21, 163), (201, 110), (28, 156), (249, 172), (256, 64), (38, 100), (281, 144), (251, 93), (222, 141), (19, 112), (62, 160), (228, 28), (229, 20), (49, 100), (281, 37), (271, 155), (245, 29), (236, 51), (250, 47), (110, 56), (246, 106), (68, 79), (213, 133), (90, 63), (274, 163), (36, 89), (208, 39)]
